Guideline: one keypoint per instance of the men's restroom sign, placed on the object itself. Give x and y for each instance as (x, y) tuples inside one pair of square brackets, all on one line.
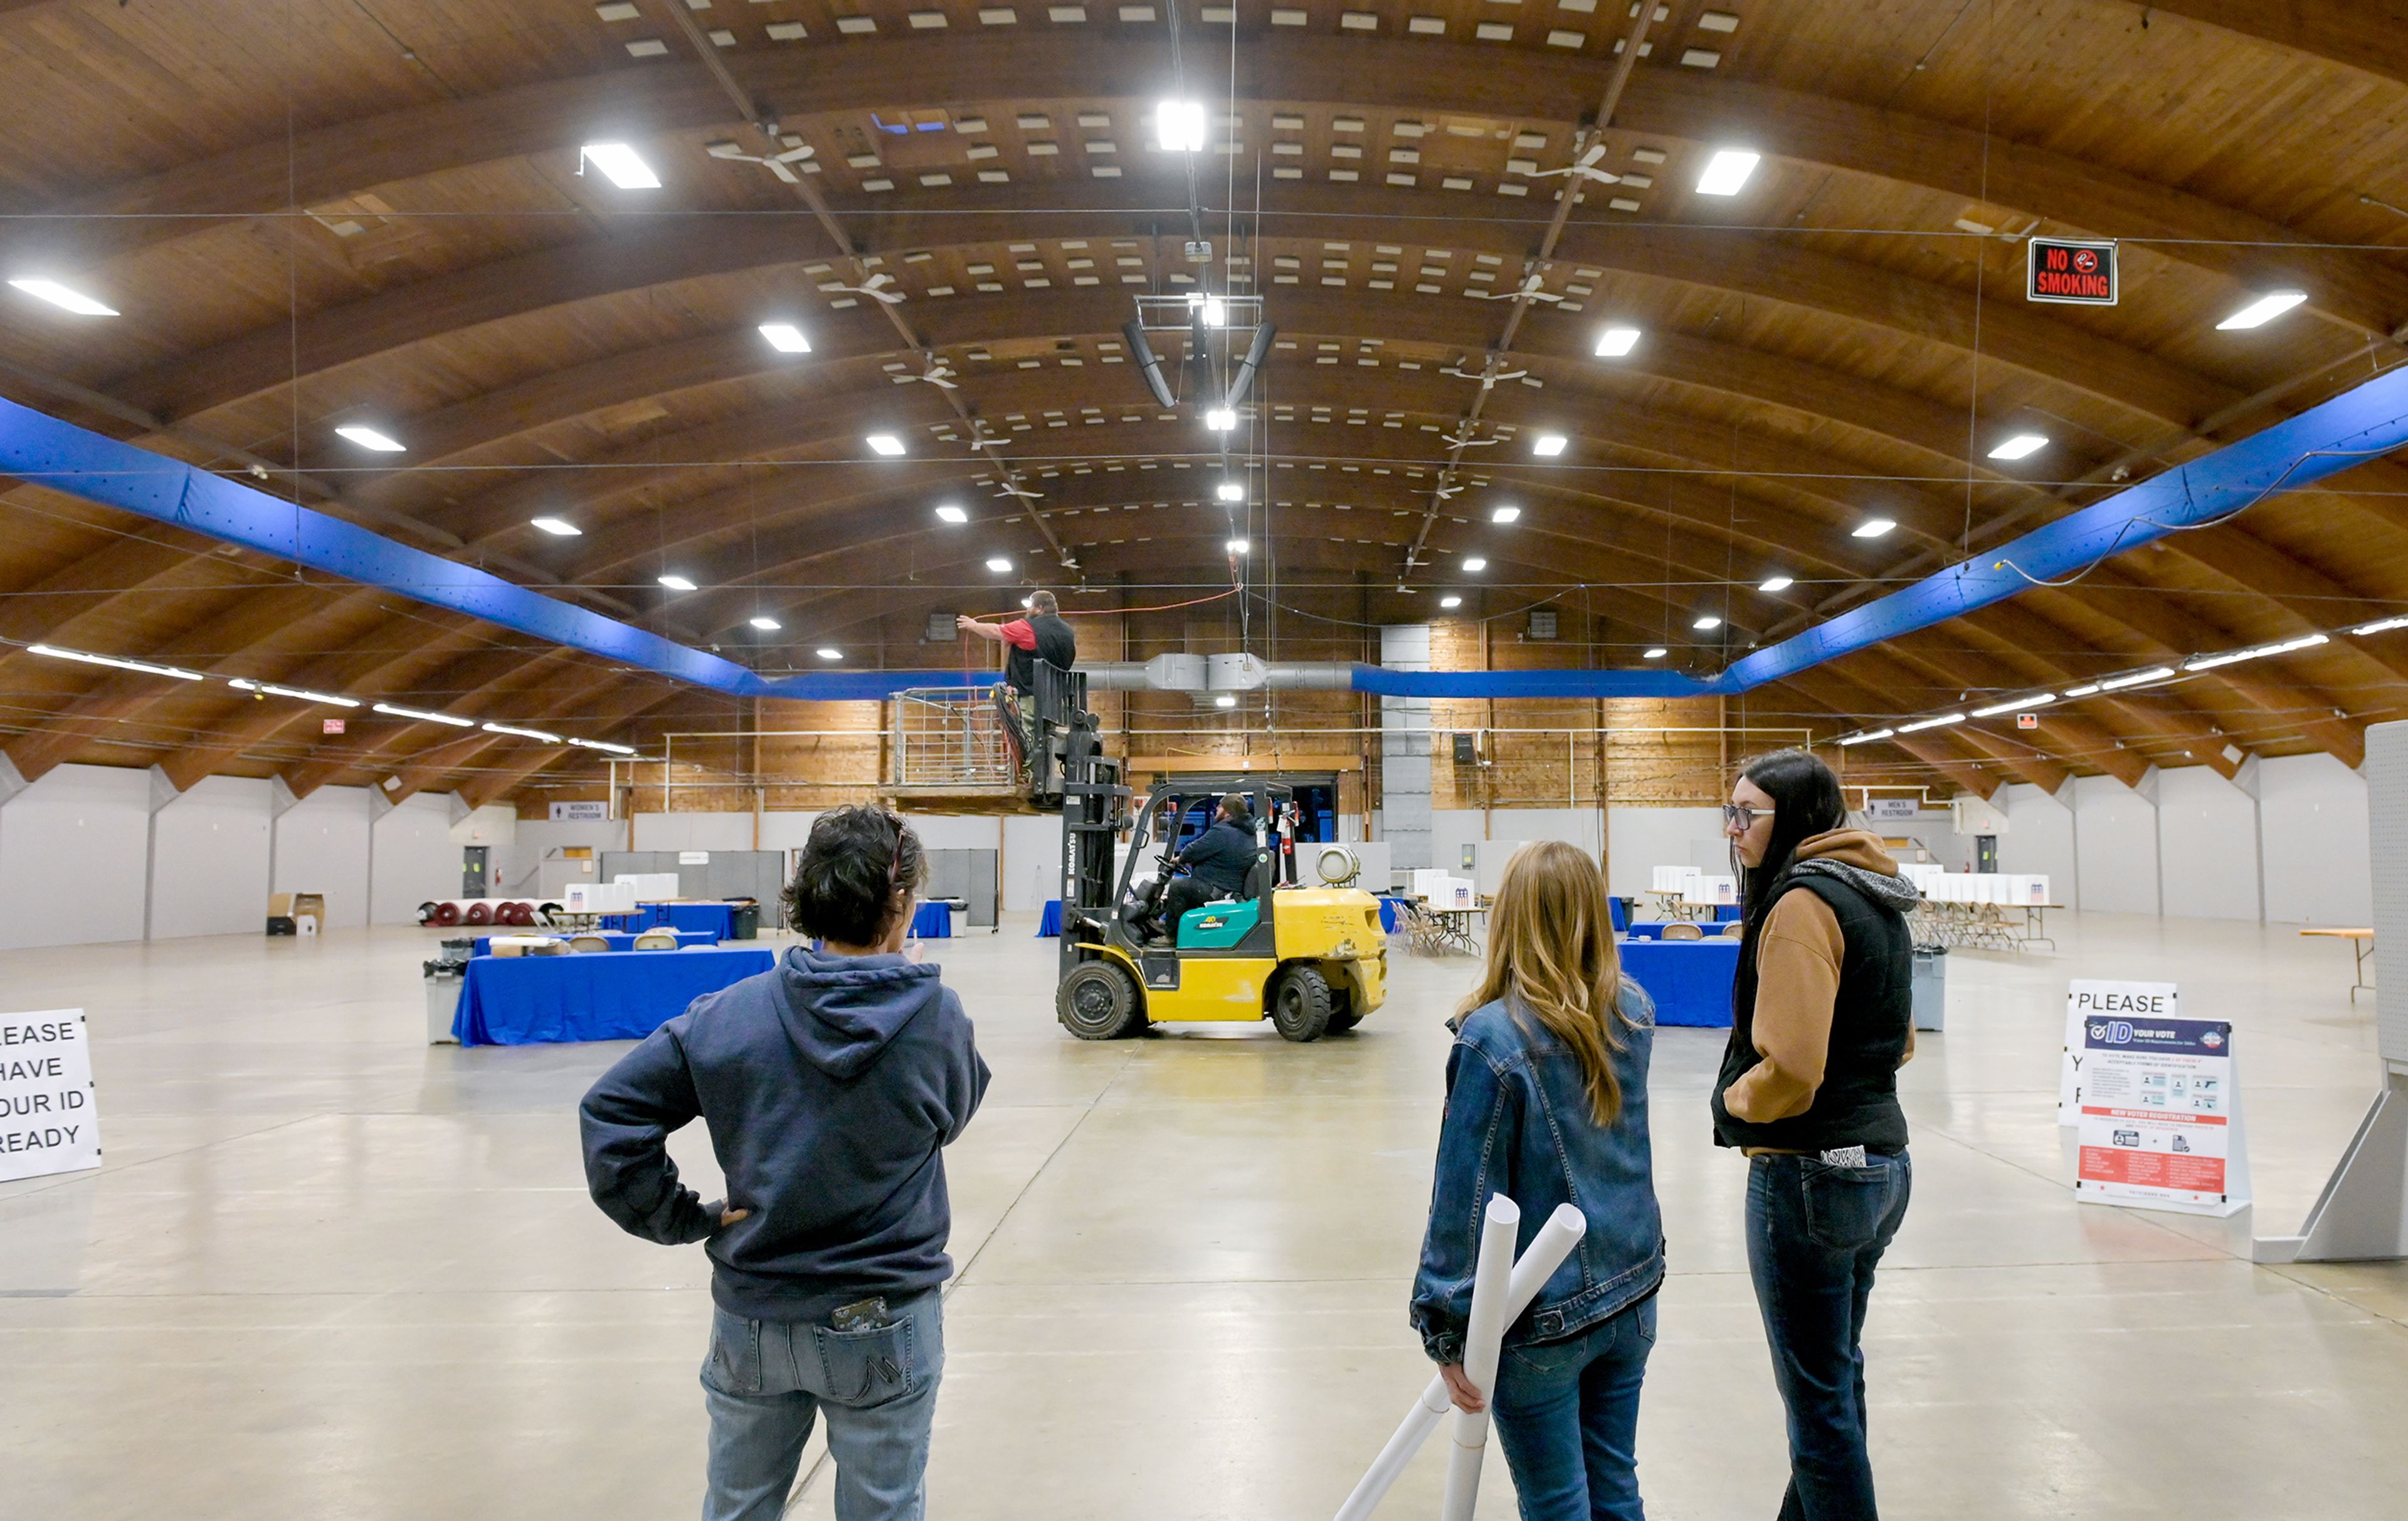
[(48, 1120), (2078, 274), (2160, 1116)]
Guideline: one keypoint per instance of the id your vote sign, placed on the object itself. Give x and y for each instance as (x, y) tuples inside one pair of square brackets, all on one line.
[(48, 1120)]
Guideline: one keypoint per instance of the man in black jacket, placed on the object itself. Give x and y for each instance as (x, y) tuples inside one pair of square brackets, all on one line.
[(830, 1086), (1217, 862), (1043, 636)]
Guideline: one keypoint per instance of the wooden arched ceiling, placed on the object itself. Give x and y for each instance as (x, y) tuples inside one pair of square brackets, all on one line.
[(314, 214)]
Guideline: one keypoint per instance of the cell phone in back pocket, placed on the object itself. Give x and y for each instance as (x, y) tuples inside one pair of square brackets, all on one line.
[(867, 1314)]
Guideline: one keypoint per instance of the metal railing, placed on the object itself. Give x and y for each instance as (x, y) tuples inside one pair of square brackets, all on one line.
[(949, 736)]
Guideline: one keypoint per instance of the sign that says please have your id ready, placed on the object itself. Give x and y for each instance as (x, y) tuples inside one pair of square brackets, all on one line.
[(48, 1120)]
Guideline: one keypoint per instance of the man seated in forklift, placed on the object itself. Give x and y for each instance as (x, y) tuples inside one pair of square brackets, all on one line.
[(1043, 634), (1217, 862)]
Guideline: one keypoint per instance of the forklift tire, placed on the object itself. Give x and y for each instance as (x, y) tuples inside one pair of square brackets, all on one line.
[(1300, 1007), (1343, 1016), (1098, 1001)]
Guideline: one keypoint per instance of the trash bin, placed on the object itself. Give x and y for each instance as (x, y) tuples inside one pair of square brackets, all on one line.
[(744, 920), (1930, 987), (445, 976)]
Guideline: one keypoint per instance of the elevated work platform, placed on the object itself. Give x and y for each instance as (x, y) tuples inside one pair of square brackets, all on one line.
[(991, 800)]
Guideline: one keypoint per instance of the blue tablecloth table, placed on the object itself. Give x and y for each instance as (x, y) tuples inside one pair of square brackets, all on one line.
[(1050, 922), (526, 1001), (619, 939), (933, 922), (1689, 980), (718, 918)]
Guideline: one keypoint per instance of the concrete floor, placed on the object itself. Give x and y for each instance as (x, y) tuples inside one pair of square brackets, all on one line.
[(329, 1271)]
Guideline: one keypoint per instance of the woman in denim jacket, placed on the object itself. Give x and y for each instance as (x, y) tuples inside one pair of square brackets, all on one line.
[(1547, 1104)]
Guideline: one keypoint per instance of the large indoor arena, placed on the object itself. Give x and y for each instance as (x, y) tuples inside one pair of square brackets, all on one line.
[(1169, 762)]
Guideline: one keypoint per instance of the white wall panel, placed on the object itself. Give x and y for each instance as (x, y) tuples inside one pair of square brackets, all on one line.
[(2207, 840), (694, 831), (74, 851), (2314, 821), (321, 846), (531, 864), (1032, 861), (2116, 846), (1644, 838), (2039, 839), (209, 876), (415, 858)]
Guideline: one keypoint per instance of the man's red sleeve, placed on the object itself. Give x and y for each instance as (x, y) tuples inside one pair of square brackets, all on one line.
[(1019, 635)]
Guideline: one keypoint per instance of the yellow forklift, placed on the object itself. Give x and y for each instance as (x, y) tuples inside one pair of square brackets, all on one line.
[(1308, 959)]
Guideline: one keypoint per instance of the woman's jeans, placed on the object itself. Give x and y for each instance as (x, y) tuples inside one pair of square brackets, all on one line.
[(1814, 1235), (765, 1380), (1567, 1414)]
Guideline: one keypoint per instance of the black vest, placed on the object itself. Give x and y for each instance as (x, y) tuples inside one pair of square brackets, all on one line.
[(1870, 1021), (1055, 645)]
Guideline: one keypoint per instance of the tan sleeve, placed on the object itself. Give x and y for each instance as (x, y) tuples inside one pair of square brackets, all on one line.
[(1796, 984)]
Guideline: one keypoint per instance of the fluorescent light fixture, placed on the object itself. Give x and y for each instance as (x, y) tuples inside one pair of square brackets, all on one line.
[(143, 666), (886, 444), (1657, 653), (1548, 445), (525, 733), (297, 693), (1237, 546), (1942, 722), (2231, 658), (61, 295), (676, 582), (1709, 621), (1224, 700), (1617, 341), (1776, 584), (1221, 419), (2090, 690), (2138, 678), (950, 513), (1215, 314), (2021, 446), (786, 338), (826, 652), (766, 623), (603, 744), (2264, 309), (419, 715), (1868, 735), (560, 527), (618, 164), (2019, 705), (1505, 515), (1179, 125), (1872, 528), (1475, 565), (1727, 172), (1231, 491), (1449, 602), (367, 438), (2380, 625), (1000, 565)]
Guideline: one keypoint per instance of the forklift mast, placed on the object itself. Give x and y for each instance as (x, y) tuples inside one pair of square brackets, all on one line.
[(1067, 766)]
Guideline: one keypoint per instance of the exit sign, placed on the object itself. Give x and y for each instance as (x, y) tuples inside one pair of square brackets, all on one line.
[(2074, 273), (2027, 721), (330, 726)]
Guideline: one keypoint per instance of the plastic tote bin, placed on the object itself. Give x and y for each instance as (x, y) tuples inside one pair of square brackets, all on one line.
[(1930, 987), (744, 921)]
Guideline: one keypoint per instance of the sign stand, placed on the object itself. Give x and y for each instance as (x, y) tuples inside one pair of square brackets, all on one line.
[(2160, 1113), (49, 1122)]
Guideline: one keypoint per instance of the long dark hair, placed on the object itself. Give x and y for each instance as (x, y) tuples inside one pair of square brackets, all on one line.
[(1806, 802)]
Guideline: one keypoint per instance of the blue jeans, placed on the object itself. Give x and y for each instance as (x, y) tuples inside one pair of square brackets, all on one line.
[(764, 1380), (1814, 1236), (1568, 1418)]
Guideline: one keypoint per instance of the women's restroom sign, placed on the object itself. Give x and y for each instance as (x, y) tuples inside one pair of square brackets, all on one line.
[(2160, 1124), (49, 1122)]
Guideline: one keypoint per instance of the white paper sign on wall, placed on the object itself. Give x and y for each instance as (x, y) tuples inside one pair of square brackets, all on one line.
[(2162, 1116), (48, 1120), (2114, 1000), (694, 858)]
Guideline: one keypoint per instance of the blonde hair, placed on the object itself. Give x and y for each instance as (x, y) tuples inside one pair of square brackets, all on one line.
[(1550, 955)]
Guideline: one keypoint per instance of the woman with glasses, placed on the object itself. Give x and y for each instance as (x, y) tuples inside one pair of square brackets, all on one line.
[(1821, 1021)]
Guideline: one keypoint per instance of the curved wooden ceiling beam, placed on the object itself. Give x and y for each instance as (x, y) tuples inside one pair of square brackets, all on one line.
[(2363, 35)]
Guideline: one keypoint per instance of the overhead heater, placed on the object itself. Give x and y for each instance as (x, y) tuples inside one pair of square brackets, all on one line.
[(1213, 326)]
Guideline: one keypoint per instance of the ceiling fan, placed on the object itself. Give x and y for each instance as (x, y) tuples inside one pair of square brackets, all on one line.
[(1014, 489), (1488, 382), (777, 163), (1583, 168), (1442, 492), (1527, 291), (874, 287), (939, 374), (1462, 439)]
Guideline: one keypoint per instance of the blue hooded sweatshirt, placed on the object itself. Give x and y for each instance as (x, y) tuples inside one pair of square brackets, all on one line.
[(831, 1085)]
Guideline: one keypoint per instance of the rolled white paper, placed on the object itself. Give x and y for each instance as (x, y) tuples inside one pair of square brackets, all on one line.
[(1483, 1340)]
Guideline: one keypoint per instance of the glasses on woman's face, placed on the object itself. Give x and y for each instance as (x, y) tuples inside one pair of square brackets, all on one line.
[(1740, 818)]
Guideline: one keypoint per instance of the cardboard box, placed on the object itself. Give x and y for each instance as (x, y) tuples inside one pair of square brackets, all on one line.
[(296, 906)]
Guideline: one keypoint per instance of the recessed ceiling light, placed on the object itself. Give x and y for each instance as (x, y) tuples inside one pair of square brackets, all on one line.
[(999, 564), (885, 443), (2021, 446), (60, 296), (1475, 565), (1548, 445), (145, 666), (561, 526), (620, 165), (830, 653), (1221, 419), (676, 583), (1231, 491), (2264, 309), (1709, 621), (1505, 515), (1872, 528), (1726, 172), (367, 438), (950, 513), (1179, 125), (1237, 546), (1449, 602), (1776, 583), (1224, 700), (786, 338), (1655, 653), (1617, 341), (766, 623)]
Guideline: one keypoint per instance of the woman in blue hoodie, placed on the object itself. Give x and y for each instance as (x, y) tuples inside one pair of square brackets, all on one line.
[(830, 1086), (1547, 1104)]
